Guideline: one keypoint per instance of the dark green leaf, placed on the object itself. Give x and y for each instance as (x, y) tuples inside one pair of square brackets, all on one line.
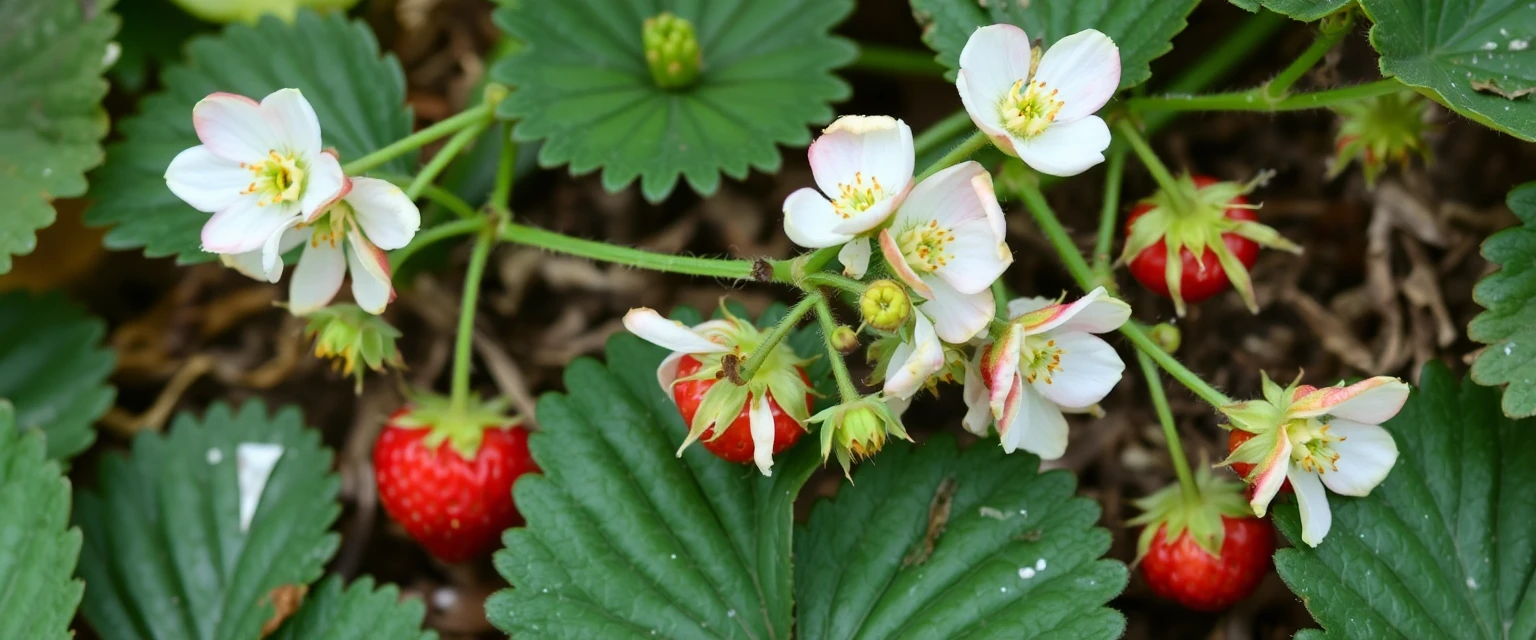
[(38, 592), (1443, 548), (358, 95), (1304, 10), (1508, 326), (52, 55), (168, 558), (625, 539), (930, 542), (1143, 29), (152, 37), (1474, 56), (54, 368), (357, 612), (584, 88)]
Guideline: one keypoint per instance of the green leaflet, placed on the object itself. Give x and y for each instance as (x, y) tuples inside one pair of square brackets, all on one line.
[(1508, 326), (1304, 10), (54, 368), (38, 593), (359, 612), (1443, 548)]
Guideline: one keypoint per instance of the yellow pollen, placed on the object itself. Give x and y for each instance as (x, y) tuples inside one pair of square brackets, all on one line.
[(1029, 109), (277, 178), (926, 247), (857, 197)]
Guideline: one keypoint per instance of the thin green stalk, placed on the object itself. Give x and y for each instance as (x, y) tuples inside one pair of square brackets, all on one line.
[(1333, 30), (1253, 99), (956, 155), (845, 389), (1138, 336), (640, 258), (466, 334), (444, 156), (774, 337), (1109, 215), (1149, 159), (828, 279), (952, 125), (431, 236), (1187, 484), (999, 300), (874, 57), (506, 173), (472, 115)]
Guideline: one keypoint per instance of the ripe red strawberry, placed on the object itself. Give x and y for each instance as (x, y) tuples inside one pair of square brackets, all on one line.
[(1183, 572), (735, 444), (1236, 438), (456, 506), (1203, 276)]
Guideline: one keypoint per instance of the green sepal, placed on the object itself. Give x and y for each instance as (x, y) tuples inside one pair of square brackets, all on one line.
[(1198, 514), (1254, 451), (720, 406), (463, 428)]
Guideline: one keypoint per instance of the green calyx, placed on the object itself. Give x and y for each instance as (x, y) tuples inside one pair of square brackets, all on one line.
[(1379, 130), (778, 378), (671, 51), (345, 333), (1195, 513), (463, 428), (1195, 218), (857, 430)]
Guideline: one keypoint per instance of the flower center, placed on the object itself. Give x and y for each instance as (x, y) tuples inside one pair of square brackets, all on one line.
[(1040, 358), (924, 246), (1312, 445), (857, 197), (1029, 109), (277, 178), (332, 225)]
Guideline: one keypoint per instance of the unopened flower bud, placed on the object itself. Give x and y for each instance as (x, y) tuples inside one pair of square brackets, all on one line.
[(885, 305), (844, 339), (345, 334), (671, 51), (1377, 131), (861, 432), (1166, 336), (857, 430)]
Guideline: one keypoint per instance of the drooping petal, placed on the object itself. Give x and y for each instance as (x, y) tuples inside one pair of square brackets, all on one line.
[(1039, 427), (1271, 472), (293, 122), (1084, 69), (1020, 306), (249, 264), (371, 285), (666, 372), (760, 420), (1089, 369), (387, 216), (1065, 148), (809, 218), (985, 113), (206, 181), (912, 365), (876, 148), (855, 258), (668, 334), (325, 183), (1366, 455), (317, 278), (1095, 312), (994, 58), (1312, 502), (1371, 401), (978, 410), (999, 367), (273, 249), (233, 128), (898, 264), (957, 317), (245, 225)]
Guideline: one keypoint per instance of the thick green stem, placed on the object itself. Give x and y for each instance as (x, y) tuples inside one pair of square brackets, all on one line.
[(1219, 61), (506, 173), (1333, 29), (873, 57), (1149, 159), (478, 113), (1253, 99), (999, 300), (952, 125), (772, 340), (640, 258), (1187, 484), (431, 236), (845, 389), (956, 155), (1109, 215), (804, 265), (1138, 336), (465, 338), (444, 156), (827, 279)]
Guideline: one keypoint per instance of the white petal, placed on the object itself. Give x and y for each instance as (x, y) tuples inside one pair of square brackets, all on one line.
[(897, 406), (272, 250), (1371, 401), (387, 216), (912, 364), (994, 58), (985, 113), (1366, 455), (1095, 312), (947, 197), (669, 334), (960, 199), (204, 180), (666, 373), (245, 225), (317, 278), (1038, 428), (760, 420), (957, 317), (809, 218), (1312, 502), (878, 147), (371, 286), (293, 122), (1000, 373), (1089, 369), (1066, 148), (233, 127), (1271, 471), (978, 412), (898, 264), (855, 258), (1020, 306), (324, 185), (249, 264), (1084, 68), (872, 217)]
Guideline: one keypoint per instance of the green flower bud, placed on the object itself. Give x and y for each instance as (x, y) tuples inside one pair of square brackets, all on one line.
[(857, 430), (671, 51), (1166, 336), (345, 334), (844, 339), (1376, 131), (885, 305)]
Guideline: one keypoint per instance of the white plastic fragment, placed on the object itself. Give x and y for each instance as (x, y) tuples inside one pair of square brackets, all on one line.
[(253, 467), (1026, 572), (215, 456)]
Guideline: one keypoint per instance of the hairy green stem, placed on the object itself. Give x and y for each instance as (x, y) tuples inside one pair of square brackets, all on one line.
[(433, 235), (1149, 159), (772, 340), (1333, 30), (1138, 336), (956, 155), (444, 156), (1219, 61), (466, 332), (1109, 216), (478, 113), (952, 125), (845, 389), (874, 57), (828, 279), (1187, 484), (1253, 99), (640, 258)]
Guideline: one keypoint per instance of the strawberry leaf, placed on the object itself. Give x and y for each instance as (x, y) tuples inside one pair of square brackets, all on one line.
[(1443, 548), (358, 612), (191, 535), (54, 368), (1508, 326), (38, 593), (1143, 29), (1304, 10), (933, 542)]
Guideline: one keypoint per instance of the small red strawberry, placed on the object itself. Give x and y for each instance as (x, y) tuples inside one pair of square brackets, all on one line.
[(1201, 546), (1236, 438), (446, 476), (735, 444)]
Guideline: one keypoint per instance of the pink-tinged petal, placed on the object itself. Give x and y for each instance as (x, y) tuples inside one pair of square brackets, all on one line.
[(293, 122), (1066, 148), (957, 317), (1084, 69), (1269, 473), (898, 263), (999, 367), (317, 278), (877, 149), (872, 217), (1095, 312), (324, 184), (245, 225), (206, 181), (1011, 415), (760, 420), (1312, 503), (855, 258), (978, 409), (668, 334), (985, 114), (994, 58), (1039, 427), (809, 219), (1371, 401), (913, 363), (1020, 306), (233, 128), (1089, 369), (387, 216), (371, 285), (249, 264), (1367, 453)]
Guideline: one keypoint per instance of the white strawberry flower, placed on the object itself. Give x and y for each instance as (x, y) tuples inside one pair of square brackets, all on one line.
[(259, 167), (947, 243), (914, 361), (1316, 438), (350, 235), (1043, 115), (863, 167), (1046, 362)]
